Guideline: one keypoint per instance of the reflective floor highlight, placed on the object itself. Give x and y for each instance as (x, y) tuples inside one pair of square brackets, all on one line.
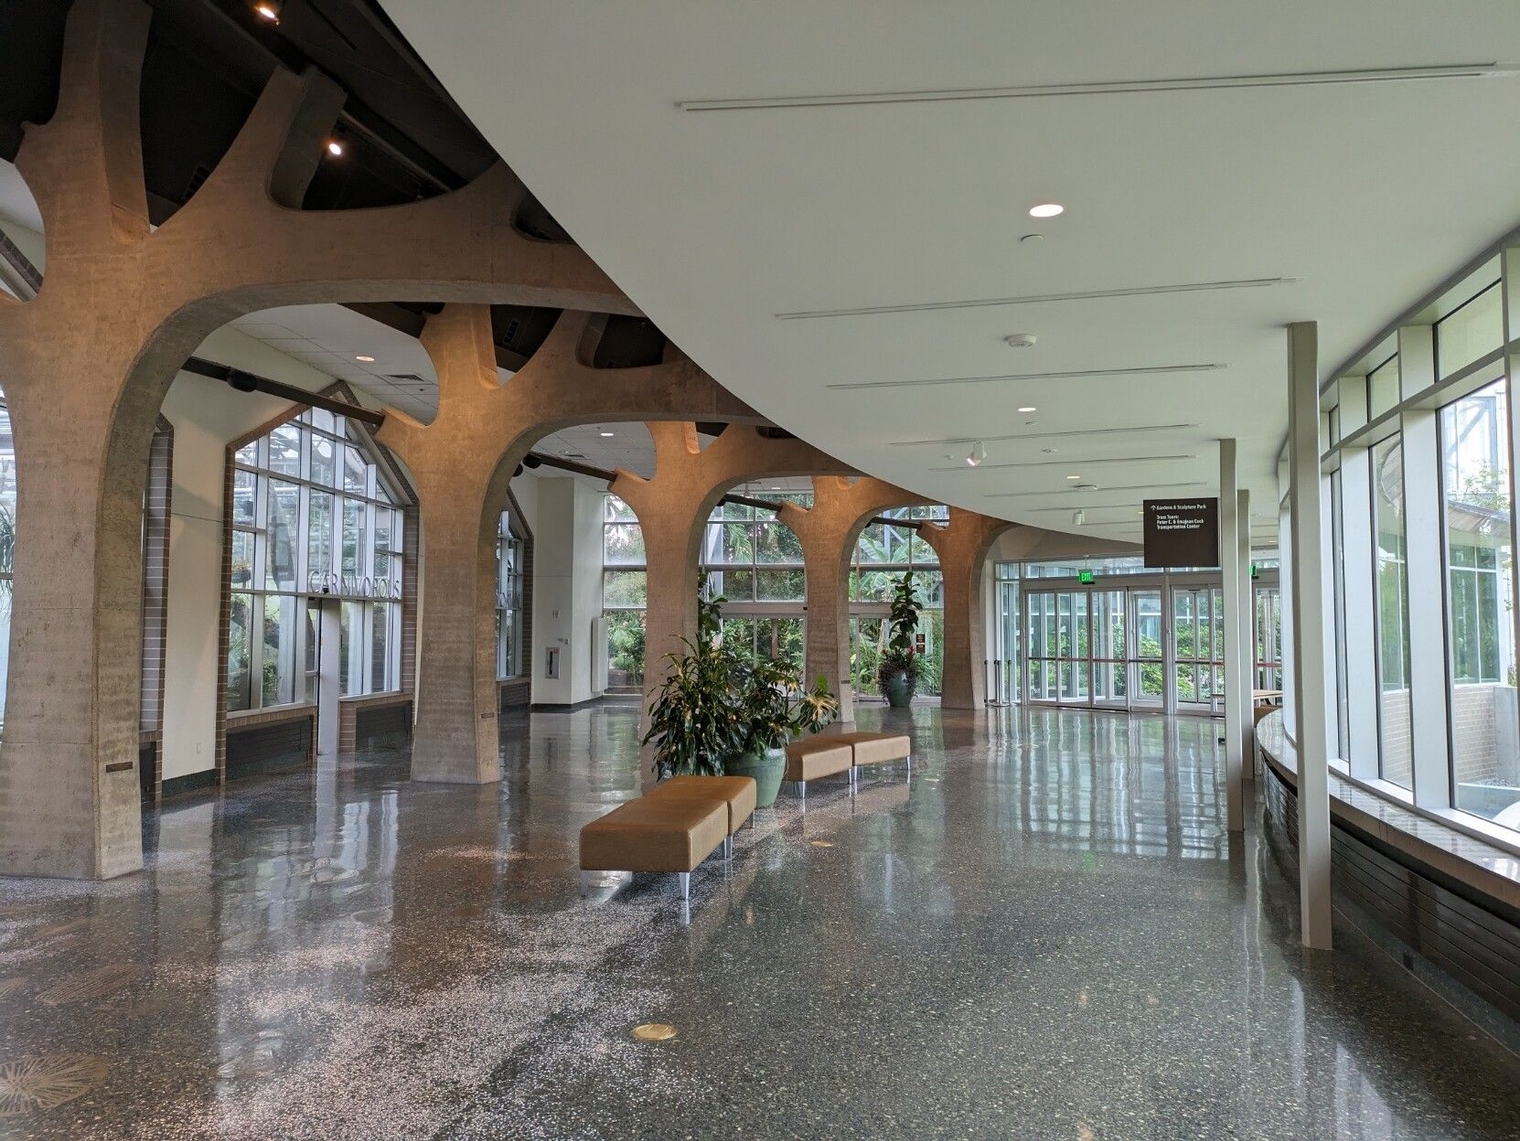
[(1048, 935)]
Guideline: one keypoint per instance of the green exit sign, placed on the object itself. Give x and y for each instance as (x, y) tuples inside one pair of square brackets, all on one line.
[(1084, 576)]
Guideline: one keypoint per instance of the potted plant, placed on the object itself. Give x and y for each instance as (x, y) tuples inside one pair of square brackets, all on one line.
[(692, 722), (897, 672), (715, 714), (772, 708)]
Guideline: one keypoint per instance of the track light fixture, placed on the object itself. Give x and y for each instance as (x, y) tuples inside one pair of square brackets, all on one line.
[(978, 453)]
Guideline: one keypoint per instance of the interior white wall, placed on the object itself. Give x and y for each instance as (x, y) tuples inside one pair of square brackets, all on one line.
[(207, 416), (567, 583)]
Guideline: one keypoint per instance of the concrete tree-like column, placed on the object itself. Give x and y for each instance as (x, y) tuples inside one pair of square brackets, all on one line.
[(829, 531), (962, 544), (461, 464), (673, 507), (86, 364)]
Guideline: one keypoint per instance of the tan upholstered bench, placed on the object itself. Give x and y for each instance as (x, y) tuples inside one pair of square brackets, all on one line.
[(655, 834), (877, 749), (816, 757), (737, 792)]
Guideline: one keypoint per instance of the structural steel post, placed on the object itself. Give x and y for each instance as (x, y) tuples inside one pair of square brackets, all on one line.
[(1235, 713), (1309, 618)]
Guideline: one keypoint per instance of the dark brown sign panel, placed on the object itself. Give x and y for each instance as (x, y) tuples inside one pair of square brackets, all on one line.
[(1182, 532)]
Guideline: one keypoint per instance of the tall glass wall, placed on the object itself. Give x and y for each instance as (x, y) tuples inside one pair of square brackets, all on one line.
[(754, 562), (312, 517), (509, 599), (883, 553), (1420, 439)]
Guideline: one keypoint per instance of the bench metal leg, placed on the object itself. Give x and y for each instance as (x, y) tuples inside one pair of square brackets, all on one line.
[(585, 882), (685, 884), (728, 847), (801, 789)]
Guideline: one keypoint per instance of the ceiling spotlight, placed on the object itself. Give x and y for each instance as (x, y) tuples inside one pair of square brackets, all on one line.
[(1020, 340), (978, 453), (334, 148), (1046, 210), (1078, 517), (362, 358), (1029, 408), (269, 10), (604, 433)]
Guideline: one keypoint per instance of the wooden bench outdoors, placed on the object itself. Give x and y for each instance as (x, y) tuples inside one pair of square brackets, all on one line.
[(672, 829)]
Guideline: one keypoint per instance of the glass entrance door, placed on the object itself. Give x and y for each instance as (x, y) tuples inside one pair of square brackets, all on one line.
[(1110, 649), (1147, 669), (1268, 640), (1198, 647)]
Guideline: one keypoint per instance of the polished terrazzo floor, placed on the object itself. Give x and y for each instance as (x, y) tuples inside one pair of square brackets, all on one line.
[(1046, 936)]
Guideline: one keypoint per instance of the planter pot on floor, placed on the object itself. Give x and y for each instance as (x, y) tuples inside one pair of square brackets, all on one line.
[(897, 687), (766, 767)]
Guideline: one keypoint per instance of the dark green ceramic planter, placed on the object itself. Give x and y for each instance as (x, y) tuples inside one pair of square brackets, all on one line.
[(766, 767), (897, 687)]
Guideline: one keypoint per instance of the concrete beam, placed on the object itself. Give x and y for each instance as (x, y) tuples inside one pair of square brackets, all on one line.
[(461, 464), (120, 310), (673, 506)]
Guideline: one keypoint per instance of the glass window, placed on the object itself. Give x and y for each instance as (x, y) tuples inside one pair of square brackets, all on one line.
[(282, 546), (509, 599), (1392, 611), (1383, 387), (1471, 331), (1479, 604)]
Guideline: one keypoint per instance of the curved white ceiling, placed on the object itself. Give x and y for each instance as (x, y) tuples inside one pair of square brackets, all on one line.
[(717, 223)]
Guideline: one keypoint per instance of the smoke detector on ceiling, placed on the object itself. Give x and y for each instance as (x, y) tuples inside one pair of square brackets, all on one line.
[(1020, 340)]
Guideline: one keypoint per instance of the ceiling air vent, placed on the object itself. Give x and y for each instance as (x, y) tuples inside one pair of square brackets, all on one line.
[(408, 378)]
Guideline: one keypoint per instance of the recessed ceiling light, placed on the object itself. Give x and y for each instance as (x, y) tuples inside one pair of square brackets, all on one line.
[(1020, 340), (604, 433), (269, 10), (1027, 238), (1029, 408), (1046, 210), (1074, 477), (365, 359), (1048, 451), (334, 148)]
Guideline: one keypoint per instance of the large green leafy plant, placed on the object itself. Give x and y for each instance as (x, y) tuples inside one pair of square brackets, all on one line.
[(899, 656), (773, 706), (713, 705)]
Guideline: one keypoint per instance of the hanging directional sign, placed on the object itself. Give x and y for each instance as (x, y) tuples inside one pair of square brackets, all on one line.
[(1182, 532)]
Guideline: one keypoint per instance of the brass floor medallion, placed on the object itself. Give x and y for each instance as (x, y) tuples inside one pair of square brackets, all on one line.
[(654, 1032), (823, 843), (92, 984), (46, 1081)]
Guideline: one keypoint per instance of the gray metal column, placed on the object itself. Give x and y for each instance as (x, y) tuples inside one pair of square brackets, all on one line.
[(1309, 622), (1243, 686), (1236, 623)]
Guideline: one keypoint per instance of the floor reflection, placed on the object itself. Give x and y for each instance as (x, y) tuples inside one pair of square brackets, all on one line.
[(1045, 934)]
